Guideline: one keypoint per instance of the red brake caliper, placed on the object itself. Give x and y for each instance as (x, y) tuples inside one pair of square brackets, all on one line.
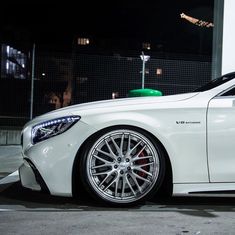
[(142, 162)]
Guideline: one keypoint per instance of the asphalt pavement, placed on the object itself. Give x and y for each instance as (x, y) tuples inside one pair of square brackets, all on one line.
[(27, 212)]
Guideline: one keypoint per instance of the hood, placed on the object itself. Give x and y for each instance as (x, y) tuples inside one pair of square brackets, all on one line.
[(125, 102)]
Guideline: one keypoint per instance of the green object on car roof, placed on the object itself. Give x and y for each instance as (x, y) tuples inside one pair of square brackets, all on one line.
[(144, 92)]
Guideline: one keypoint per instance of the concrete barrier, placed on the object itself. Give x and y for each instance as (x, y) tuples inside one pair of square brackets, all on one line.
[(10, 159), (10, 137)]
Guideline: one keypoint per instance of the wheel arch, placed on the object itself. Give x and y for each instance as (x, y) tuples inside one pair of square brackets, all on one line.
[(166, 187)]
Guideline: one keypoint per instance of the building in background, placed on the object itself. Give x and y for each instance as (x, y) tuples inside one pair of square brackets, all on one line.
[(77, 61), (14, 63), (102, 68)]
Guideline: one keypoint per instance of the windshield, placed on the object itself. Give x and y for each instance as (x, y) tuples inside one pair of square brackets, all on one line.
[(216, 82)]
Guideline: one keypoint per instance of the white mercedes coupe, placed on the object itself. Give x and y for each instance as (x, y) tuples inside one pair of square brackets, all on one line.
[(124, 151)]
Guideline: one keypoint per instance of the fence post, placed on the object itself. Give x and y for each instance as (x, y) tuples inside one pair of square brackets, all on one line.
[(32, 82), (217, 39)]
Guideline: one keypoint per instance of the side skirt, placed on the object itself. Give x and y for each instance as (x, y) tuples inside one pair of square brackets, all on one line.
[(203, 188)]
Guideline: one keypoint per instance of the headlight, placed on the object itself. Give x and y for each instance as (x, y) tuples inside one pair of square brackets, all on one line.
[(48, 129)]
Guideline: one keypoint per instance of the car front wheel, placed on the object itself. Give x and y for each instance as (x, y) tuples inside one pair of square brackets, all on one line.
[(122, 166)]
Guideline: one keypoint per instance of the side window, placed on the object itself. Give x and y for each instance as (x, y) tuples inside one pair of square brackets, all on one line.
[(231, 92)]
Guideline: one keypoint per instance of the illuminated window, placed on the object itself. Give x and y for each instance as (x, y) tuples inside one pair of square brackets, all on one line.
[(146, 45), (159, 71), (13, 63), (115, 95), (83, 41)]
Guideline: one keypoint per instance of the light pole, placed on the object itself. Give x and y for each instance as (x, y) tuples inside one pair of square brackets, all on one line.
[(144, 58)]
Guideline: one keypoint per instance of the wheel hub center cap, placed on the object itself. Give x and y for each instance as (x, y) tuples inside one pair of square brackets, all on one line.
[(124, 165)]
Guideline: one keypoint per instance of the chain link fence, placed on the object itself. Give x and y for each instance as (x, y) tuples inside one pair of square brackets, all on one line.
[(62, 79), (98, 77)]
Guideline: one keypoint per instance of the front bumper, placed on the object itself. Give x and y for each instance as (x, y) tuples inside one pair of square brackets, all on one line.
[(31, 178), (48, 165)]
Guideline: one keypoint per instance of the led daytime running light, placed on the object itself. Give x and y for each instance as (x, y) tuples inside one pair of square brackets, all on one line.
[(48, 129)]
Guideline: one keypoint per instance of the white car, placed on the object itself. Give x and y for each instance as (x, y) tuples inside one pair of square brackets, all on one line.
[(126, 150)]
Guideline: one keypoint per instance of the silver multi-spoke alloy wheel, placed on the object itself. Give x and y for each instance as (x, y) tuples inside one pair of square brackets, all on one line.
[(122, 166)]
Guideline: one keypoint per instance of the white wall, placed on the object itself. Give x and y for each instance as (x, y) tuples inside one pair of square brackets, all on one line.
[(228, 45)]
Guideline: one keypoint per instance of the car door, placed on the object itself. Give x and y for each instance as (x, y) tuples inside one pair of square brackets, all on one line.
[(221, 137)]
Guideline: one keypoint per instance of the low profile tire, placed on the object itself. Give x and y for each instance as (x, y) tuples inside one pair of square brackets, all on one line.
[(122, 166)]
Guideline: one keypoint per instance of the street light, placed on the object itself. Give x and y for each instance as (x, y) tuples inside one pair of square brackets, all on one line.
[(144, 58)]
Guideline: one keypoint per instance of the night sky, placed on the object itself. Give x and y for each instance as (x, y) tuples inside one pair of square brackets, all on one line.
[(159, 20)]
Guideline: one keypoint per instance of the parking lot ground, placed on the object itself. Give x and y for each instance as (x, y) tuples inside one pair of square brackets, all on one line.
[(23, 211)]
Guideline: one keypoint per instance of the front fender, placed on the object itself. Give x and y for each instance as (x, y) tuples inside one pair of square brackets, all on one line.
[(185, 145)]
